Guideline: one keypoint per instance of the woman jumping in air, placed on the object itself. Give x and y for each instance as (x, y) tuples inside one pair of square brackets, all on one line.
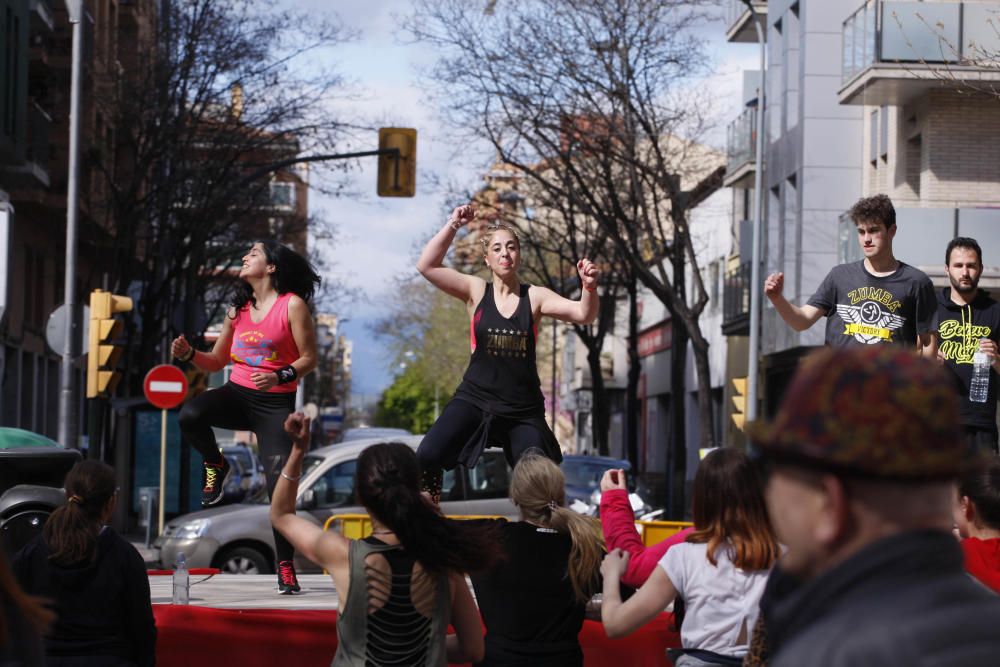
[(269, 337), (500, 397)]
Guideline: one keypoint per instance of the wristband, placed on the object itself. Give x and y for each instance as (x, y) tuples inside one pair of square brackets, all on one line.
[(286, 374), (590, 289)]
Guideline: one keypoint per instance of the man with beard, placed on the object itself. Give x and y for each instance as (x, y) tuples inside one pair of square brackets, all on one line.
[(969, 320)]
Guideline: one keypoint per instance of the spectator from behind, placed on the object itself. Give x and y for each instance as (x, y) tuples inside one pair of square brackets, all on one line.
[(977, 518), (618, 525), (23, 621), (533, 600), (96, 580), (861, 461), (402, 586), (720, 570)]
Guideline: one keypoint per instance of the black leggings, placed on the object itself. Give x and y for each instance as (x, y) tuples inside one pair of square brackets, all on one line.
[(449, 434), (240, 409)]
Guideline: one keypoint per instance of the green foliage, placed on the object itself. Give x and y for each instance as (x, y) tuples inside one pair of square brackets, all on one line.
[(428, 333)]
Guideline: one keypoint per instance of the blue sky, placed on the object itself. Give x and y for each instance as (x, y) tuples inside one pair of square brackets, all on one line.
[(379, 238)]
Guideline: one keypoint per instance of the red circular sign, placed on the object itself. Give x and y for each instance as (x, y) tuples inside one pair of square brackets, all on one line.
[(165, 386)]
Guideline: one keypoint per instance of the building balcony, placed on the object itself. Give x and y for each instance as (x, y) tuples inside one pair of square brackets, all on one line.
[(739, 20), (741, 150), (736, 301), (895, 52), (34, 168)]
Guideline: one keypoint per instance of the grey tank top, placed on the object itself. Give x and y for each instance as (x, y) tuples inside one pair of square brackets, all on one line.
[(396, 633)]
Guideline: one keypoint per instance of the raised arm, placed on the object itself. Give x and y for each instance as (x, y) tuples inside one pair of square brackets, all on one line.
[(623, 618), (431, 262), (799, 318), (212, 361), (583, 311), (325, 548), (618, 525)]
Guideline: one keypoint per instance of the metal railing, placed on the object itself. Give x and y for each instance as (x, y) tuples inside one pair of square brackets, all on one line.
[(741, 139), (904, 31), (39, 131)]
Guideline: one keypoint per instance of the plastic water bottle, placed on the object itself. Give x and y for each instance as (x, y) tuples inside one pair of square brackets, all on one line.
[(181, 581), (980, 377)]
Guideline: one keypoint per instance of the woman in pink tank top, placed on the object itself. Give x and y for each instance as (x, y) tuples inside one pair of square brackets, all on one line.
[(269, 338)]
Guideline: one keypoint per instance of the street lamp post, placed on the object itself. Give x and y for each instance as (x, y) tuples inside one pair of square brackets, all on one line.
[(66, 428), (758, 214)]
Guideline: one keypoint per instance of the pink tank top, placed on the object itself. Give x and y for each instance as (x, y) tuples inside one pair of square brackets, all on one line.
[(263, 346)]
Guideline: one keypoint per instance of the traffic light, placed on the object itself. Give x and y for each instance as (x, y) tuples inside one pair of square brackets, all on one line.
[(739, 402), (102, 352), (397, 174)]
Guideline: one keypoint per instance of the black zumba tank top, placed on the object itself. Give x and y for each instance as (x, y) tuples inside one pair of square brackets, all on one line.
[(502, 376)]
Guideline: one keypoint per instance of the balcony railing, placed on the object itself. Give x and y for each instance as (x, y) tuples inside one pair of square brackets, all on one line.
[(736, 301), (39, 130), (741, 147), (890, 31)]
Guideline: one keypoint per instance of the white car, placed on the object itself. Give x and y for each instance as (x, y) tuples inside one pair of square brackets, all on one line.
[(237, 538)]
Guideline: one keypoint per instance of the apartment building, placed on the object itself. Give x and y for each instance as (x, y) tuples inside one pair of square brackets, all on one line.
[(863, 97), (926, 79)]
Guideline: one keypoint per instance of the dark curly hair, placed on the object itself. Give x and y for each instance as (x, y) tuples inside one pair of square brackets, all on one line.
[(877, 208), (292, 273)]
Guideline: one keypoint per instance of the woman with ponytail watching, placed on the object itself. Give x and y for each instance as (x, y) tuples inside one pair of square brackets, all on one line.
[(533, 601), (400, 588), (95, 579)]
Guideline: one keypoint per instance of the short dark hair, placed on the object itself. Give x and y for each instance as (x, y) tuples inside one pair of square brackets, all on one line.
[(962, 242), (980, 481), (877, 208)]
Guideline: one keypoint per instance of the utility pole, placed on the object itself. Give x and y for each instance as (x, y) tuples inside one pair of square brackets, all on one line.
[(67, 430)]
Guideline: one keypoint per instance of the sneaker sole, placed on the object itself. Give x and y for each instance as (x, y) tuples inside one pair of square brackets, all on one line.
[(222, 485)]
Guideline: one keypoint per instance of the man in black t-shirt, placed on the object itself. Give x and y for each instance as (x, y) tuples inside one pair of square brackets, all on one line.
[(876, 300), (969, 320)]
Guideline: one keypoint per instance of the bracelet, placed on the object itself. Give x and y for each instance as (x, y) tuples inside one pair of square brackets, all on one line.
[(189, 357), (454, 225), (291, 479), (590, 289), (286, 374)]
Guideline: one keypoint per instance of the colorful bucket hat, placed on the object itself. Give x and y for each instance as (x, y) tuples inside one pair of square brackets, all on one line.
[(878, 411)]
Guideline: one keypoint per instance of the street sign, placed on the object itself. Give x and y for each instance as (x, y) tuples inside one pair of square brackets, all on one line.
[(165, 386), (55, 329)]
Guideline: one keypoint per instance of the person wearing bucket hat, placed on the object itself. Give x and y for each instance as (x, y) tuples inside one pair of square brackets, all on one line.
[(860, 461)]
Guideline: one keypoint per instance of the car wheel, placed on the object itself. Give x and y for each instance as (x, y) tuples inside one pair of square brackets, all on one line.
[(244, 560)]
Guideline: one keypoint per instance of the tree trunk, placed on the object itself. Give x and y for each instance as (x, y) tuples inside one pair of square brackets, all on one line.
[(632, 407), (599, 402), (699, 346), (677, 454)]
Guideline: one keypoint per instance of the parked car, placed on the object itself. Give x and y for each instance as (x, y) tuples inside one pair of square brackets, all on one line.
[(238, 538), (365, 432), (248, 473), (32, 470), (583, 475)]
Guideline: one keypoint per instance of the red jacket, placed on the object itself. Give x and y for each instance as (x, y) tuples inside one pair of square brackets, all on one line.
[(982, 560), (618, 524)]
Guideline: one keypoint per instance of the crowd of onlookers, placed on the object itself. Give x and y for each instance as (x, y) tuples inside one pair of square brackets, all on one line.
[(860, 530)]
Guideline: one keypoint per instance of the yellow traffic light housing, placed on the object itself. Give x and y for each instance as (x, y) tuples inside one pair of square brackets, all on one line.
[(739, 402), (397, 172), (102, 352)]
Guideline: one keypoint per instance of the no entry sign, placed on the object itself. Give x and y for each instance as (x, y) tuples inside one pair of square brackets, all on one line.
[(165, 386)]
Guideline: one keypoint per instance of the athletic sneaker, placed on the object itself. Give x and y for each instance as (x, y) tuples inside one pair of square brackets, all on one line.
[(216, 476), (288, 583)]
